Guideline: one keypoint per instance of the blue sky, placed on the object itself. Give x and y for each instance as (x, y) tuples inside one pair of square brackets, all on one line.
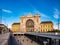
[(49, 10)]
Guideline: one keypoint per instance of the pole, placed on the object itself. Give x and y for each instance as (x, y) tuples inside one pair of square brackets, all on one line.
[(58, 24), (0, 16)]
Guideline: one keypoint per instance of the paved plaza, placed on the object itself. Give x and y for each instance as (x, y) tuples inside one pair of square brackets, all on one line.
[(23, 40), (4, 38)]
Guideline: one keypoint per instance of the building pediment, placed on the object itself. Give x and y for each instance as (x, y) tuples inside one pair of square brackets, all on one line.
[(29, 15)]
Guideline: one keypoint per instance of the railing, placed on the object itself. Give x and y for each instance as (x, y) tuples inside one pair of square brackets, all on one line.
[(49, 35), (56, 33)]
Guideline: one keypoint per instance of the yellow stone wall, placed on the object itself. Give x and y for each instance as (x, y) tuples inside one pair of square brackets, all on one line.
[(16, 28), (44, 27)]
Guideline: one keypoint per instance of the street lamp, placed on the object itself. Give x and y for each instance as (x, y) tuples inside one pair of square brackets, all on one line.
[(56, 33), (45, 42)]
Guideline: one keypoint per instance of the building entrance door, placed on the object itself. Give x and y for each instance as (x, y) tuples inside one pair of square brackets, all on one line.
[(29, 25)]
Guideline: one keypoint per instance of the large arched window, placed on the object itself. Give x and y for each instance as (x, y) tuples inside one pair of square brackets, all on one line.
[(30, 25)]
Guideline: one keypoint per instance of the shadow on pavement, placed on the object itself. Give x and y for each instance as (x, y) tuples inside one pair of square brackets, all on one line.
[(12, 41)]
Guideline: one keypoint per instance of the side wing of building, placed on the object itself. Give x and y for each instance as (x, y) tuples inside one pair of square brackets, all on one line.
[(16, 27), (46, 26)]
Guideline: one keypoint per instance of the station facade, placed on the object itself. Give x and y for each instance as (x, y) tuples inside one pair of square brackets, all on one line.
[(32, 23)]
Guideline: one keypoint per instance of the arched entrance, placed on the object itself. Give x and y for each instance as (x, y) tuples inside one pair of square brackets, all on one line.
[(29, 25)]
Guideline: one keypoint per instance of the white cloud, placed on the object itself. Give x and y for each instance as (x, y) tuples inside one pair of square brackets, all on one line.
[(56, 16), (7, 11), (56, 13), (44, 15), (56, 26), (41, 14)]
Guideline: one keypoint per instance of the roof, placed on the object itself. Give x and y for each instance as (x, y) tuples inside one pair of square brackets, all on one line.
[(1, 24), (37, 14), (15, 23), (29, 15), (46, 22)]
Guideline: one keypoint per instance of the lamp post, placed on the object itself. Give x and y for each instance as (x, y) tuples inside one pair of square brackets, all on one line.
[(24, 30), (36, 32), (45, 42), (58, 24)]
